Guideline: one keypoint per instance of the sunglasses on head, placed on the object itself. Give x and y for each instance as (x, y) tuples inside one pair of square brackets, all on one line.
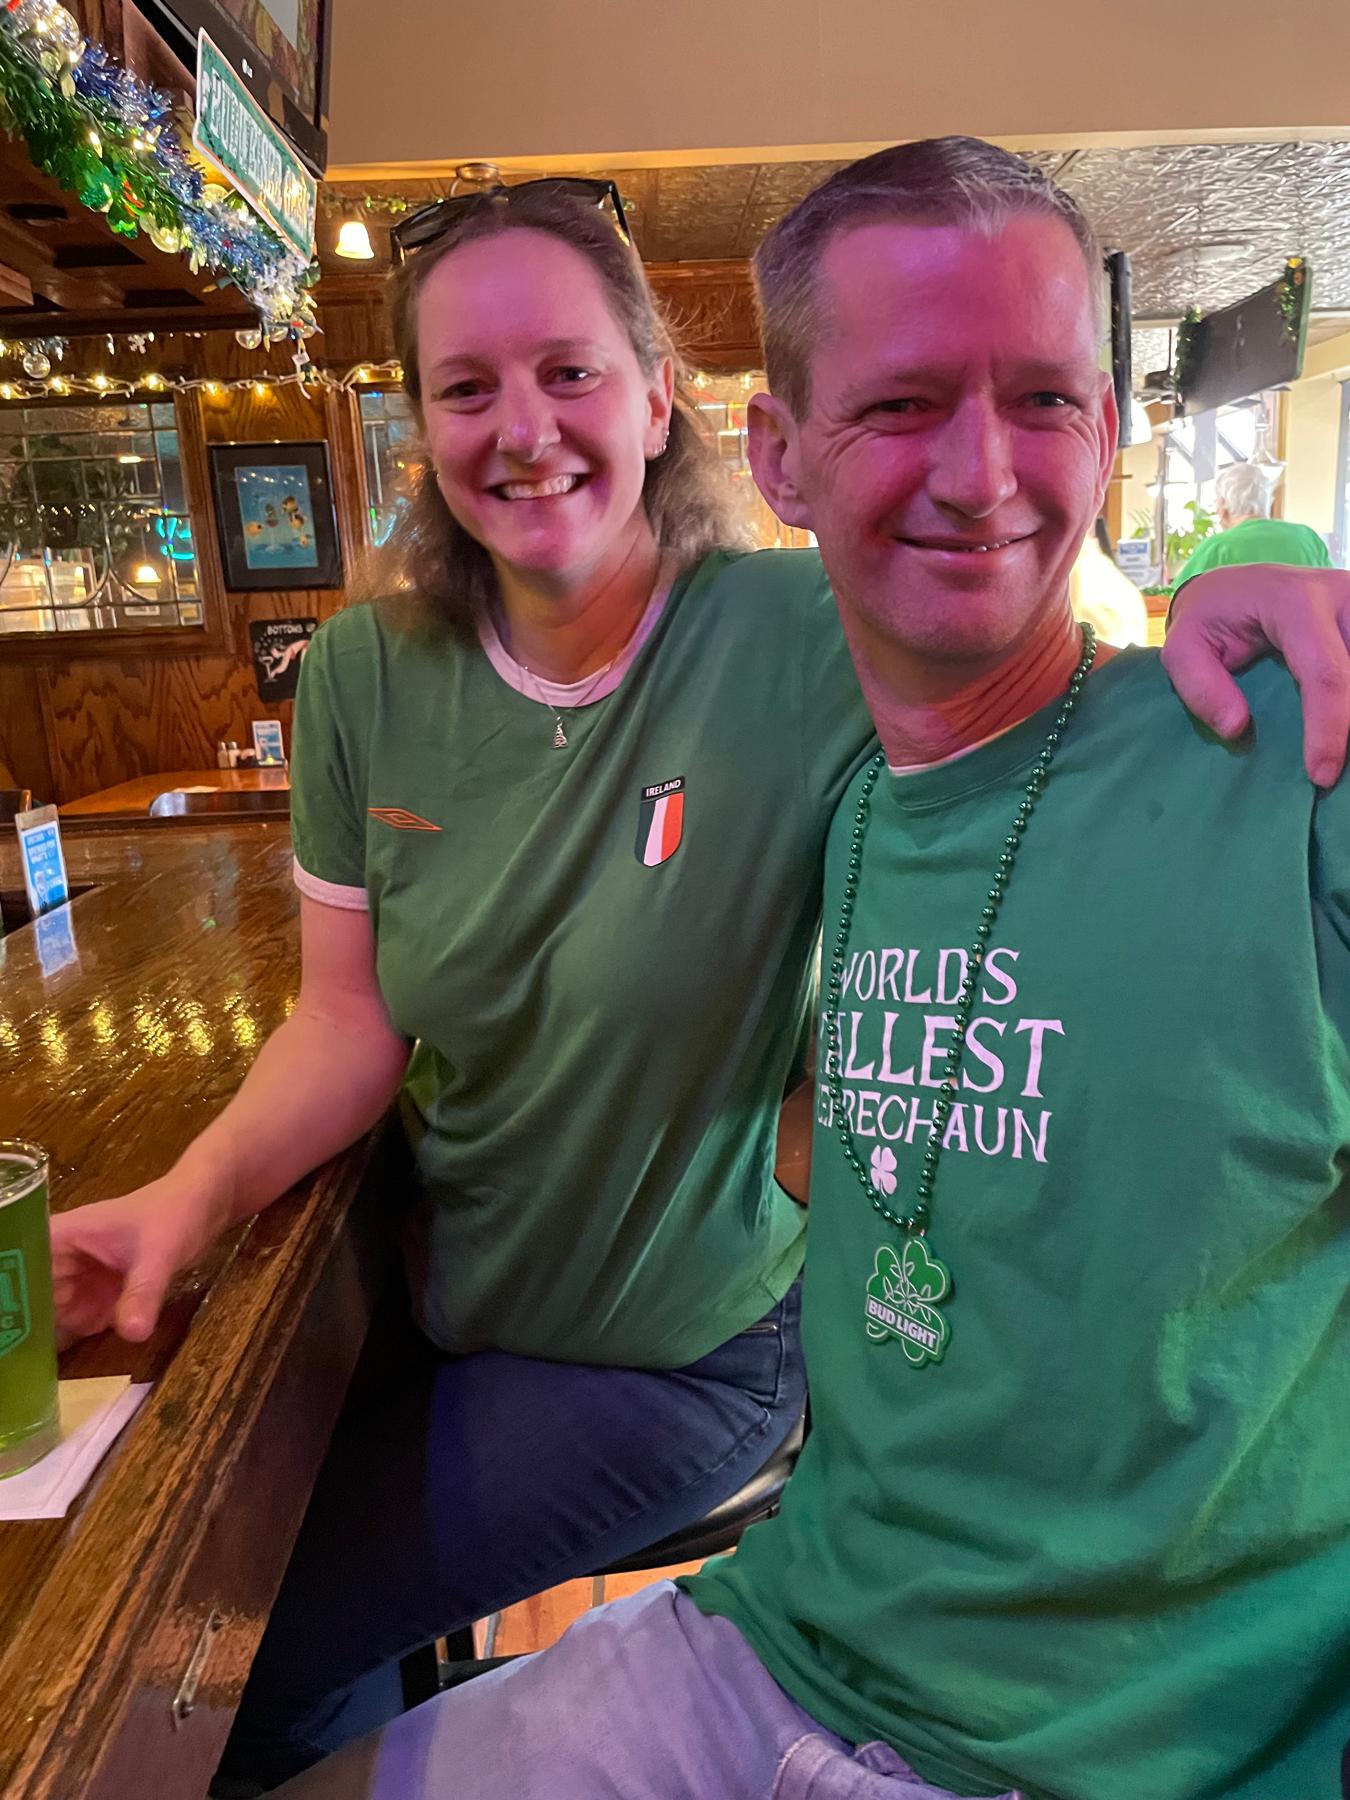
[(430, 222)]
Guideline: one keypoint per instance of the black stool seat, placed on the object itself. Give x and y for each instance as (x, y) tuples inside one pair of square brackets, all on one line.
[(720, 1528)]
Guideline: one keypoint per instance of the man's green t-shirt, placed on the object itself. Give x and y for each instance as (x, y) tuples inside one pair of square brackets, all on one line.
[(1258, 541), (1101, 1551), (605, 951)]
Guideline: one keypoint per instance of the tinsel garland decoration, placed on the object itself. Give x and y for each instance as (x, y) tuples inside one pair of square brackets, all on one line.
[(1184, 355), (1291, 297), (118, 145)]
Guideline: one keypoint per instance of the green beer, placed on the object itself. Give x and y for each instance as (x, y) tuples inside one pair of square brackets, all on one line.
[(29, 1415)]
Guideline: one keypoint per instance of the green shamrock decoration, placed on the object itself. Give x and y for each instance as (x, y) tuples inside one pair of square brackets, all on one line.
[(902, 1301)]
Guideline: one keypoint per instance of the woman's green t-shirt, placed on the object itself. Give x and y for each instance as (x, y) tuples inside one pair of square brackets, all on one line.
[(604, 952)]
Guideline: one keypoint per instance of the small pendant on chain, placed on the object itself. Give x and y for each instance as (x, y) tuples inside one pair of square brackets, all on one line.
[(903, 1295), (559, 737)]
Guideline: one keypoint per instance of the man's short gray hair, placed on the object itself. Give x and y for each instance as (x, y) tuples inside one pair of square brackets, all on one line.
[(936, 181), (1244, 490)]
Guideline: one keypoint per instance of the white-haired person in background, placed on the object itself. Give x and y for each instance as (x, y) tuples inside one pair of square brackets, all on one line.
[(1247, 533)]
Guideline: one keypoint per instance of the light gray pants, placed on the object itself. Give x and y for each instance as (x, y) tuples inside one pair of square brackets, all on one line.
[(644, 1699)]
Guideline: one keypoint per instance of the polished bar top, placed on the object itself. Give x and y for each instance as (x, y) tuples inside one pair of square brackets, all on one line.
[(126, 1021), (131, 799)]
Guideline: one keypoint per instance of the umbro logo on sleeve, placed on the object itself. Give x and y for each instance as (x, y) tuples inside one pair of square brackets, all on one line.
[(401, 819)]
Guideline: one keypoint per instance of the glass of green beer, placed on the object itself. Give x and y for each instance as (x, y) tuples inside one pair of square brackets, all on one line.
[(29, 1416)]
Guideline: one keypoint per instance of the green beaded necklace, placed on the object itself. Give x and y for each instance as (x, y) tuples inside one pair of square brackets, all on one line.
[(906, 1287)]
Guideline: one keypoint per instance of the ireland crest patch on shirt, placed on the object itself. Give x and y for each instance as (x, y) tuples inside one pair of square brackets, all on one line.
[(660, 821)]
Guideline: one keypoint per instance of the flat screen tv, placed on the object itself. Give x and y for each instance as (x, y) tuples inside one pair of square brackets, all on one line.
[(1244, 349), (278, 48)]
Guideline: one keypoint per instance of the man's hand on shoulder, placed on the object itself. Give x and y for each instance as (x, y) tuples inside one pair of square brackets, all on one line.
[(1224, 620)]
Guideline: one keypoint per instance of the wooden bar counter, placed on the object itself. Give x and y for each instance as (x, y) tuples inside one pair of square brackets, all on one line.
[(127, 1628), (131, 799)]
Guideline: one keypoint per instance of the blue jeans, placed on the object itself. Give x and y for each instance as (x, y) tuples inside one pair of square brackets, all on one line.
[(645, 1699), (456, 1486)]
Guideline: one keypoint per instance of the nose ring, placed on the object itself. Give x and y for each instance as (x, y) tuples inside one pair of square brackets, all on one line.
[(525, 453)]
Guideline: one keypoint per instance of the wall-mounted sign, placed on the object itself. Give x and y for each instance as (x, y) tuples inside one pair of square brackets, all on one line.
[(278, 645), (232, 131)]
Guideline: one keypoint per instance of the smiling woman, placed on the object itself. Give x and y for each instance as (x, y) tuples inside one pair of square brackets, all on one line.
[(523, 789), (510, 394), (540, 441)]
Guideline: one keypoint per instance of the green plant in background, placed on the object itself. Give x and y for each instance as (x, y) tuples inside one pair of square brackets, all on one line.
[(1296, 274), (1183, 544), (1183, 359), (1141, 522)]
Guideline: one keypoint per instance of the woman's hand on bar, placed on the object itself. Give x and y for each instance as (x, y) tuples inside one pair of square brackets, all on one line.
[(323, 1078), (112, 1262)]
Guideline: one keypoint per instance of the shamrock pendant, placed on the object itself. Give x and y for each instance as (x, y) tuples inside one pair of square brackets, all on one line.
[(903, 1295)]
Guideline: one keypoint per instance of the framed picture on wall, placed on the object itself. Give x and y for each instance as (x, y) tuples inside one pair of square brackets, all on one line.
[(275, 516)]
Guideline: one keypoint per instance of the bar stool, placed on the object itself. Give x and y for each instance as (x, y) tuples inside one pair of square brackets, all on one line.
[(450, 1661)]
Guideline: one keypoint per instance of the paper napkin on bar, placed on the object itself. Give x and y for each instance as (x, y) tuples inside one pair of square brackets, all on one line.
[(92, 1414)]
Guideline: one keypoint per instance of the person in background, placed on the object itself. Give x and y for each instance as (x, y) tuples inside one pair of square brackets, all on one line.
[(1073, 1518), (1247, 534), (559, 811), (1103, 596)]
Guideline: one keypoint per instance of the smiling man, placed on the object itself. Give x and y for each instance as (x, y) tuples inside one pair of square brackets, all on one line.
[(1073, 1521), (1070, 1522)]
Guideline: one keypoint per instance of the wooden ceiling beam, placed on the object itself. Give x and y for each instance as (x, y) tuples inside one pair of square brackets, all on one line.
[(15, 287), (32, 256), (230, 316)]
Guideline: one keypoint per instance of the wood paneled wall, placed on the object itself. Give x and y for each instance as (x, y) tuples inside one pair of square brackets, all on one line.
[(72, 724), (710, 306)]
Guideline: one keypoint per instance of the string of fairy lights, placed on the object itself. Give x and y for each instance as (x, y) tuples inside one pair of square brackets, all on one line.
[(309, 377)]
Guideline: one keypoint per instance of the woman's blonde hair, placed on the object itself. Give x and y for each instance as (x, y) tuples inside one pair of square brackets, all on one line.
[(445, 571)]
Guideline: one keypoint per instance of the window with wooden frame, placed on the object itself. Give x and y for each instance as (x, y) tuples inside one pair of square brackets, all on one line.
[(96, 535), (389, 438)]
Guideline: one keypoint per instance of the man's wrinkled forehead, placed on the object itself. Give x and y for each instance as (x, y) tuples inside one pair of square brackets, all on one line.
[(933, 292)]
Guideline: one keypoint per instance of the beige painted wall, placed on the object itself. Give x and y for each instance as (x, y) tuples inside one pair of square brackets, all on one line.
[(420, 81), (1139, 466), (1313, 435)]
